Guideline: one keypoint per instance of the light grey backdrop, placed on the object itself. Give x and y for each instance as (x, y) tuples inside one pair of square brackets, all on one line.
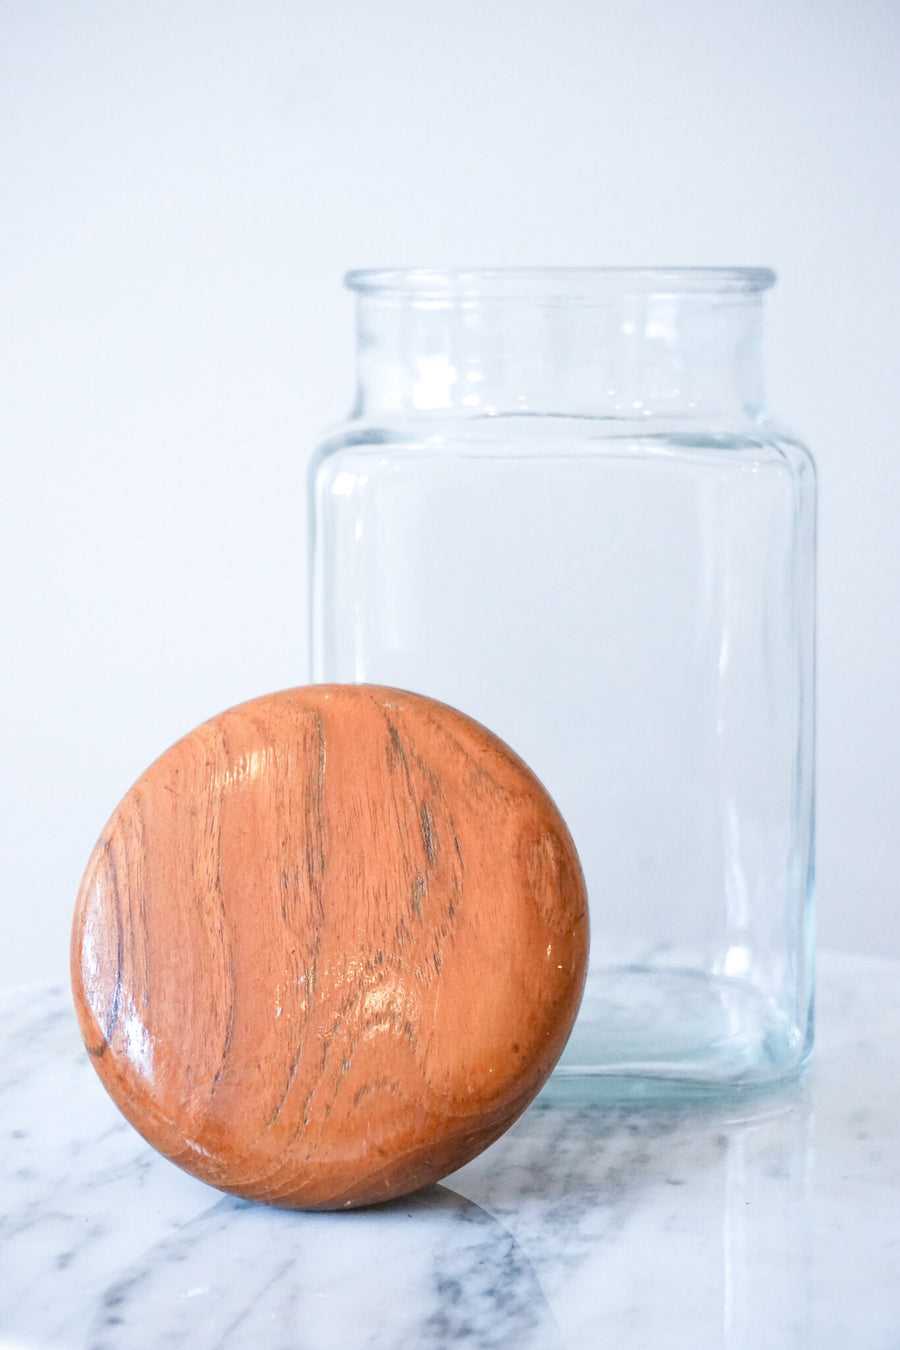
[(183, 186)]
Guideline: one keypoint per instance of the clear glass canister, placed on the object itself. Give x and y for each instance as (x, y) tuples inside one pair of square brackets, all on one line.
[(560, 505)]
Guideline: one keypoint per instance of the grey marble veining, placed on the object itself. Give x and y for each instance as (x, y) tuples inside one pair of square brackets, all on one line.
[(770, 1223), (434, 1271)]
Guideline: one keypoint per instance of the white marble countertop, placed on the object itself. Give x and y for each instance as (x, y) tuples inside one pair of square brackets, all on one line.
[(767, 1224)]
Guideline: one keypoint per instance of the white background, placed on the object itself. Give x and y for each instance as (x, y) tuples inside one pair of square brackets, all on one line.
[(183, 185)]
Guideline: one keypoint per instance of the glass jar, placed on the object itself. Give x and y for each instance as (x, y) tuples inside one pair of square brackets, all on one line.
[(560, 505)]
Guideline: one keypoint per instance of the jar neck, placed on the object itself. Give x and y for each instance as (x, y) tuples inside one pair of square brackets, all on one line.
[(619, 350)]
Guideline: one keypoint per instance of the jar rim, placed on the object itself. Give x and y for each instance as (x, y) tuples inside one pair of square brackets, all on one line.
[(553, 283)]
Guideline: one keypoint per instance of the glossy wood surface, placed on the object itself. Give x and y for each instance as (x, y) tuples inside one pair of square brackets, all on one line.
[(329, 946)]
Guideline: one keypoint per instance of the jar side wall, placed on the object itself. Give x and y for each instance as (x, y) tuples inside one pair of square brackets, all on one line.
[(420, 563), (801, 939)]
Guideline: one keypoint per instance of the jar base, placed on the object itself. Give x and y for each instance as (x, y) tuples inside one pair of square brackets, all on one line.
[(646, 1033)]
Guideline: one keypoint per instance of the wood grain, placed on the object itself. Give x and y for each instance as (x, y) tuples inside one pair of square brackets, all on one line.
[(329, 946)]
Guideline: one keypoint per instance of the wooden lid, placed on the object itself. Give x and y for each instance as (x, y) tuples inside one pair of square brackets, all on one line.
[(329, 946)]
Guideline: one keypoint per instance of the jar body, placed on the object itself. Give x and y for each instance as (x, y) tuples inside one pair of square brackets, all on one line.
[(629, 603)]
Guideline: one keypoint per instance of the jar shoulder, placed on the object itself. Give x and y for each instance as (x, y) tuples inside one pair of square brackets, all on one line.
[(357, 442), (791, 446)]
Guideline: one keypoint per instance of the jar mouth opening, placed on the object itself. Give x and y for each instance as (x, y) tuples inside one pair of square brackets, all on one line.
[(576, 284)]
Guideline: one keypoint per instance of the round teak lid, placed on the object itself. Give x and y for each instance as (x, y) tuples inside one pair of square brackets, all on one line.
[(330, 945)]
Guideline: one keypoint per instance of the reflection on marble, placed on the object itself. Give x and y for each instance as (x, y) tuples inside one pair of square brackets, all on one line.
[(772, 1222), (681, 1227), (240, 1275)]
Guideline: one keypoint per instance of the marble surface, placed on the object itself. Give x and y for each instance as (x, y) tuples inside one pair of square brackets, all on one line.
[(768, 1223)]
